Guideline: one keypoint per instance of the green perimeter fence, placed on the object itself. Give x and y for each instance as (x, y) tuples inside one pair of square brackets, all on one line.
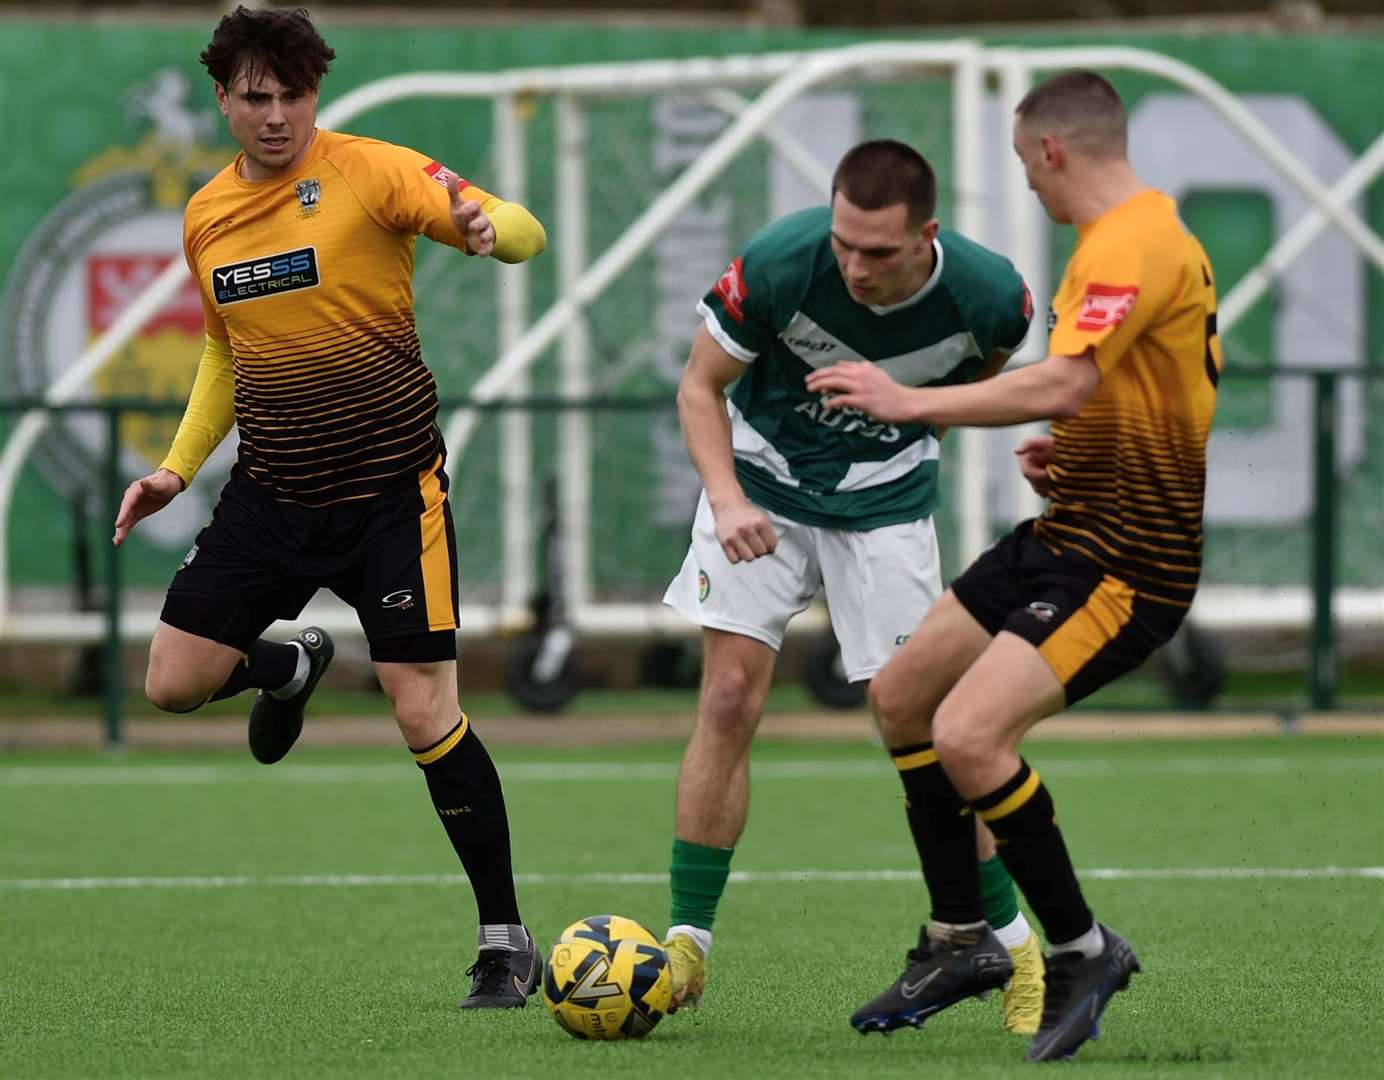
[(632, 558)]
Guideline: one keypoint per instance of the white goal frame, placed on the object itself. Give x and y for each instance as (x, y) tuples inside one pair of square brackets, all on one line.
[(521, 341)]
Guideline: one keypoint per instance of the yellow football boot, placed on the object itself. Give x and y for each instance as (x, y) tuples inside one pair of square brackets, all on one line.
[(687, 966), (1023, 994)]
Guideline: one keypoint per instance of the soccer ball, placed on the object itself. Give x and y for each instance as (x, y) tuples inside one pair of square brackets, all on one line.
[(607, 978)]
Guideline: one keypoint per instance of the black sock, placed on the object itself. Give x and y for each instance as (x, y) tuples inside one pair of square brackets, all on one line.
[(944, 832), (266, 665), (1021, 815), (465, 790)]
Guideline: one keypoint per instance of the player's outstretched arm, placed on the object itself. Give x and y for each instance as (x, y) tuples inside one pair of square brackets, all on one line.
[(147, 495), (502, 230), (210, 414), (742, 528), (1048, 390)]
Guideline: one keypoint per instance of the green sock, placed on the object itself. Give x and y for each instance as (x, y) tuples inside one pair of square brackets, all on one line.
[(997, 893), (698, 878)]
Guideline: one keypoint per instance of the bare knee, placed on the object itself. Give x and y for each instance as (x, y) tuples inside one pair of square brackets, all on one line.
[(419, 714), (171, 691), (174, 696), (961, 742), (904, 714), (730, 703)]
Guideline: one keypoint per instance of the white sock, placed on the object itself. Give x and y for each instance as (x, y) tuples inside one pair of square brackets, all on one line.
[(510, 936), (1091, 944), (1014, 934), (300, 675), (696, 933)]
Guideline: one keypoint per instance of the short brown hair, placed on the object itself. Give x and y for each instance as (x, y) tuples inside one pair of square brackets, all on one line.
[(1080, 107), (284, 43), (885, 172)]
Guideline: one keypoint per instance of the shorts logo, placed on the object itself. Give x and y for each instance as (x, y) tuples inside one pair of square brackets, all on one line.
[(309, 196), (732, 290), (1042, 611), (440, 174), (1104, 307), (400, 598), (902, 639), (187, 559), (269, 275), (703, 586)]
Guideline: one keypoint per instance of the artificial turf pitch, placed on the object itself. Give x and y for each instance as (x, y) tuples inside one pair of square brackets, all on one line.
[(200, 915)]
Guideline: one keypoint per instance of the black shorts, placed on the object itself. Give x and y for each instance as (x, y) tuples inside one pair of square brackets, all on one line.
[(1088, 625), (392, 557)]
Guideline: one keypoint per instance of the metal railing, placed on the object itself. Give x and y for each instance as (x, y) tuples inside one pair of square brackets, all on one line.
[(1324, 661)]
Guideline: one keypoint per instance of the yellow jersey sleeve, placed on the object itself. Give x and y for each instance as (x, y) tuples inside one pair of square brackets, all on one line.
[(212, 321), (1114, 289), (406, 191), (210, 412)]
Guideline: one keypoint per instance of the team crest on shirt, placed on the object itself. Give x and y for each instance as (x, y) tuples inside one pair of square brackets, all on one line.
[(731, 288), (309, 196), (1104, 307)]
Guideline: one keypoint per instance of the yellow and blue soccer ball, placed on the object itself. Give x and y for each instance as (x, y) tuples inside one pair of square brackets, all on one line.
[(607, 978)]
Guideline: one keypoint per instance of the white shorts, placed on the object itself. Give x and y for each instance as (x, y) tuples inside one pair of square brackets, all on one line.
[(879, 584)]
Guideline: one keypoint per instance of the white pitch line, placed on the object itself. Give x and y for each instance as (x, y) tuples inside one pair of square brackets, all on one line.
[(526, 772), (742, 877)]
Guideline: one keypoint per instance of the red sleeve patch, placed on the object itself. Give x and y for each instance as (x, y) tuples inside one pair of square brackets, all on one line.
[(440, 173), (731, 288), (1028, 304), (1105, 306)]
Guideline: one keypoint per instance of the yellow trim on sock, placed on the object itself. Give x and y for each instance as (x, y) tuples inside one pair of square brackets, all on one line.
[(427, 757), (915, 761), (1014, 801)]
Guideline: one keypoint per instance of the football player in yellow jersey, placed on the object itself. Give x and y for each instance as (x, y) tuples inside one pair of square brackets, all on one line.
[(1080, 596), (302, 249)]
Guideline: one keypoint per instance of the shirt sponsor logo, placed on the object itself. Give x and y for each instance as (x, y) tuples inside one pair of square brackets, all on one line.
[(439, 173), (1105, 306), (268, 275), (731, 288)]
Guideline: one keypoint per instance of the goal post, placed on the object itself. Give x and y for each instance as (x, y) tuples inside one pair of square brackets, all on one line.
[(639, 164)]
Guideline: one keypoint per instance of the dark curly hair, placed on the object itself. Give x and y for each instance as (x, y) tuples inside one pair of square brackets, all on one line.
[(285, 43)]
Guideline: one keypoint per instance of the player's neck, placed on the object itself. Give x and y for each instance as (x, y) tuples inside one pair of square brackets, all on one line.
[(1102, 187), (920, 277)]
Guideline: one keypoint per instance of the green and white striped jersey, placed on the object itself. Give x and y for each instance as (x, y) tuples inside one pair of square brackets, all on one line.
[(782, 308)]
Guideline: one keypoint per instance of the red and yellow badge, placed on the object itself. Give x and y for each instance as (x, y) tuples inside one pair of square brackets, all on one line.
[(732, 290), (441, 174), (1104, 307)]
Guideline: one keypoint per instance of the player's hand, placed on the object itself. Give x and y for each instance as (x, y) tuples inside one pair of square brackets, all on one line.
[(147, 495), (744, 531), (470, 220), (859, 384), (1034, 455)]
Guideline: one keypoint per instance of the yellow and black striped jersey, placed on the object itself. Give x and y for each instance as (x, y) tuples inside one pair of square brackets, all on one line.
[(309, 277), (1128, 472)]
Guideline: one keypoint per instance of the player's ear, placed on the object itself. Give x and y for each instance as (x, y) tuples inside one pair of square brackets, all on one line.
[(223, 100), (1054, 153)]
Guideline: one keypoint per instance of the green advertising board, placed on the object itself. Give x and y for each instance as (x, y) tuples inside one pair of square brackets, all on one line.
[(96, 179)]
